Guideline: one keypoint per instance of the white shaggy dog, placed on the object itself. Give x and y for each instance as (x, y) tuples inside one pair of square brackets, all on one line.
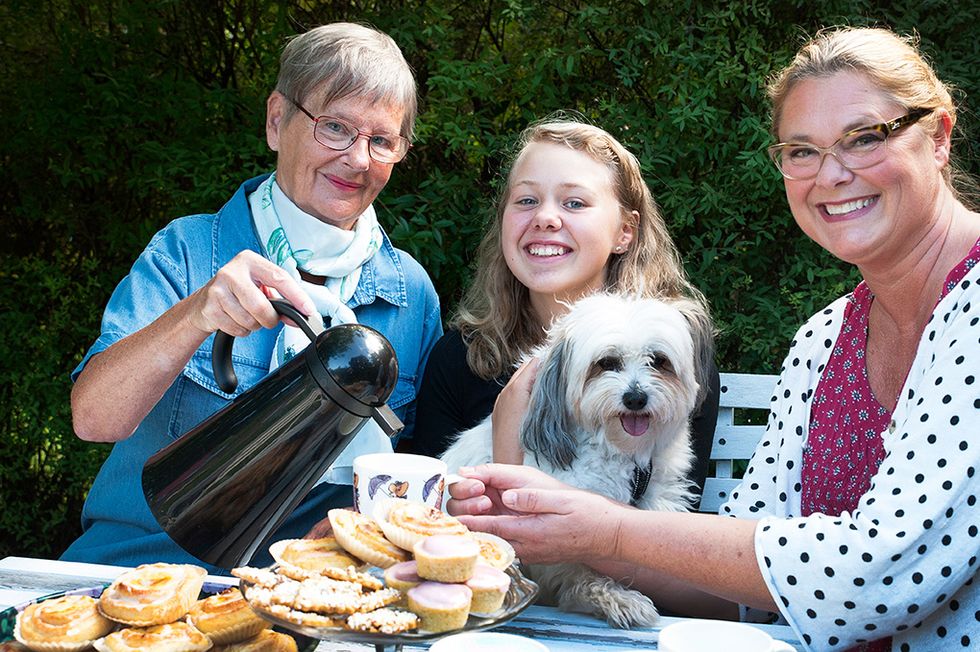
[(609, 412)]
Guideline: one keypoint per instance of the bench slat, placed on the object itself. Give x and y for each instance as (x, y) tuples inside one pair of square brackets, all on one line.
[(716, 492), (731, 441), (735, 442), (746, 390)]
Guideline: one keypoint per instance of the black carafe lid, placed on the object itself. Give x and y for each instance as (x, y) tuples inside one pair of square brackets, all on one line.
[(360, 361)]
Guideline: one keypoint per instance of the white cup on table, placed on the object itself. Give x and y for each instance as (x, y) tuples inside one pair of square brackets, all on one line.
[(380, 477), (484, 641), (712, 635)]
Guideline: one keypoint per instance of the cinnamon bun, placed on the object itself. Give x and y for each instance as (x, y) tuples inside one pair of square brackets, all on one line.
[(226, 617), (361, 536), (170, 637), (152, 594), (405, 523), (66, 624)]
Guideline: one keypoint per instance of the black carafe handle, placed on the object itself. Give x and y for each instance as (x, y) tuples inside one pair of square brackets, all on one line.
[(224, 370)]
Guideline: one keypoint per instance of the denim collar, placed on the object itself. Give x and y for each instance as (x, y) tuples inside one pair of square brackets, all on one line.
[(382, 276)]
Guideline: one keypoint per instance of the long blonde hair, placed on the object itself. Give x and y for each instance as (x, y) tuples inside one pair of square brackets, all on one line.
[(495, 315)]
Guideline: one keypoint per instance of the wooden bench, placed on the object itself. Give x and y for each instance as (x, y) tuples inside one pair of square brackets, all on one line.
[(735, 441)]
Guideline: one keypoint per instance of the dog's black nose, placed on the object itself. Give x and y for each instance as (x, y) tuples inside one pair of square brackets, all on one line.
[(634, 399)]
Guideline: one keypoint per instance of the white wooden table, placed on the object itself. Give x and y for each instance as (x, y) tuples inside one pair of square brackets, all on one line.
[(22, 579)]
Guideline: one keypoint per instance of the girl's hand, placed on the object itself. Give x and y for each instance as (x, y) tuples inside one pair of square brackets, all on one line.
[(508, 414)]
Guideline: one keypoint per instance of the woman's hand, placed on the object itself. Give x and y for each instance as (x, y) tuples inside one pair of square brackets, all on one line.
[(508, 414), (236, 299), (479, 490), (120, 385), (545, 520)]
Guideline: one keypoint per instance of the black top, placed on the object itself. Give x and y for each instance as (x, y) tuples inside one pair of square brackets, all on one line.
[(452, 399)]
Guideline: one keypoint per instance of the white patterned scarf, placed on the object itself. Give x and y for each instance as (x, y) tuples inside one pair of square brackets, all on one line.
[(295, 240)]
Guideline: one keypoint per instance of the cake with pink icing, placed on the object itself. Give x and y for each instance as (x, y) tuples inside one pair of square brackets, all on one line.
[(440, 607), (402, 576), (446, 558), (489, 586)]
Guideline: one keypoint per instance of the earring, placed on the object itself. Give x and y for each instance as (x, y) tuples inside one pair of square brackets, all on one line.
[(619, 248)]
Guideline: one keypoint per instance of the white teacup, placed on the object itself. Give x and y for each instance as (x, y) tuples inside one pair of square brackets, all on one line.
[(380, 477), (480, 641), (712, 635)]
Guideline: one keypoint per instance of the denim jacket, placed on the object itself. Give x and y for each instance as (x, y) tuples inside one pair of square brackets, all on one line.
[(394, 296)]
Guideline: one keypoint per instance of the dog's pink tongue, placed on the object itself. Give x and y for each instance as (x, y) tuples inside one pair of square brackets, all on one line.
[(635, 424)]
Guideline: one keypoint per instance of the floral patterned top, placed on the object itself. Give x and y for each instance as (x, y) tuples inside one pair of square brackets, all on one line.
[(844, 448)]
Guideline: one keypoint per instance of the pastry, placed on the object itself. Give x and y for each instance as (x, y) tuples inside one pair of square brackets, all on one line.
[(64, 624), (170, 637), (258, 576), (226, 617), (266, 641), (440, 607), (405, 523), (152, 594), (361, 536), (494, 550), (489, 586), (311, 555), (446, 558), (304, 618), (351, 574), (383, 621), (403, 576)]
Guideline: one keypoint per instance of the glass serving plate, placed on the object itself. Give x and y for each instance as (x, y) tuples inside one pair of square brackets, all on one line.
[(520, 595), (8, 616)]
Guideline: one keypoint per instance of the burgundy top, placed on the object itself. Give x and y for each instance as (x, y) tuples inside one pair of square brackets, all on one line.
[(844, 446)]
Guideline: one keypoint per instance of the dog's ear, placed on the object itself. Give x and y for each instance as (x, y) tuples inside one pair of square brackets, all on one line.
[(703, 337), (548, 425)]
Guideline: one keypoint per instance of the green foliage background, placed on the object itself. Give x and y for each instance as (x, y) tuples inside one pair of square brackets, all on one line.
[(119, 116)]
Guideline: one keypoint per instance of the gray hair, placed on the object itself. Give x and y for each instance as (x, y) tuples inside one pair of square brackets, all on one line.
[(345, 59)]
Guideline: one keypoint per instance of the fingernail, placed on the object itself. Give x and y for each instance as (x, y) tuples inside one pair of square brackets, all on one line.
[(463, 470), (509, 498)]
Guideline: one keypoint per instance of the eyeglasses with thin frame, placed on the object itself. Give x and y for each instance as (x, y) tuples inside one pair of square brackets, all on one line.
[(338, 134), (857, 149)]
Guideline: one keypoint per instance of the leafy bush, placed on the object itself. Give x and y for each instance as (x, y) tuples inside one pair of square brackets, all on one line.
[(121, 115)]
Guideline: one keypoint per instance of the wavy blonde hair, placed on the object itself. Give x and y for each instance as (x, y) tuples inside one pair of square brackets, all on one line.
[(892, 63), (495, 315)]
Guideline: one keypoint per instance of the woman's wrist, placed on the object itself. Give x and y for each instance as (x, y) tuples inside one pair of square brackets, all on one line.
[(613, 534)]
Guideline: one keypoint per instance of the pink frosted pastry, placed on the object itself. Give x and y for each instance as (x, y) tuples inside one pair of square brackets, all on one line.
[(446, 558), (440, 607), (403, 576), (489, 586)]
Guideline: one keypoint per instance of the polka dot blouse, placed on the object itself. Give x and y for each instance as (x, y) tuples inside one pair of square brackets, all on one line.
[(902, 561)]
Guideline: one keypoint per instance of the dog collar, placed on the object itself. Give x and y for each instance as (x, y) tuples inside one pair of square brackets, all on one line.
[(641, 479)]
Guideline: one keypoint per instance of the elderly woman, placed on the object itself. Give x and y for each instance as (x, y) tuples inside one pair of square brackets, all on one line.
[(857, 517), (340, 118)]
